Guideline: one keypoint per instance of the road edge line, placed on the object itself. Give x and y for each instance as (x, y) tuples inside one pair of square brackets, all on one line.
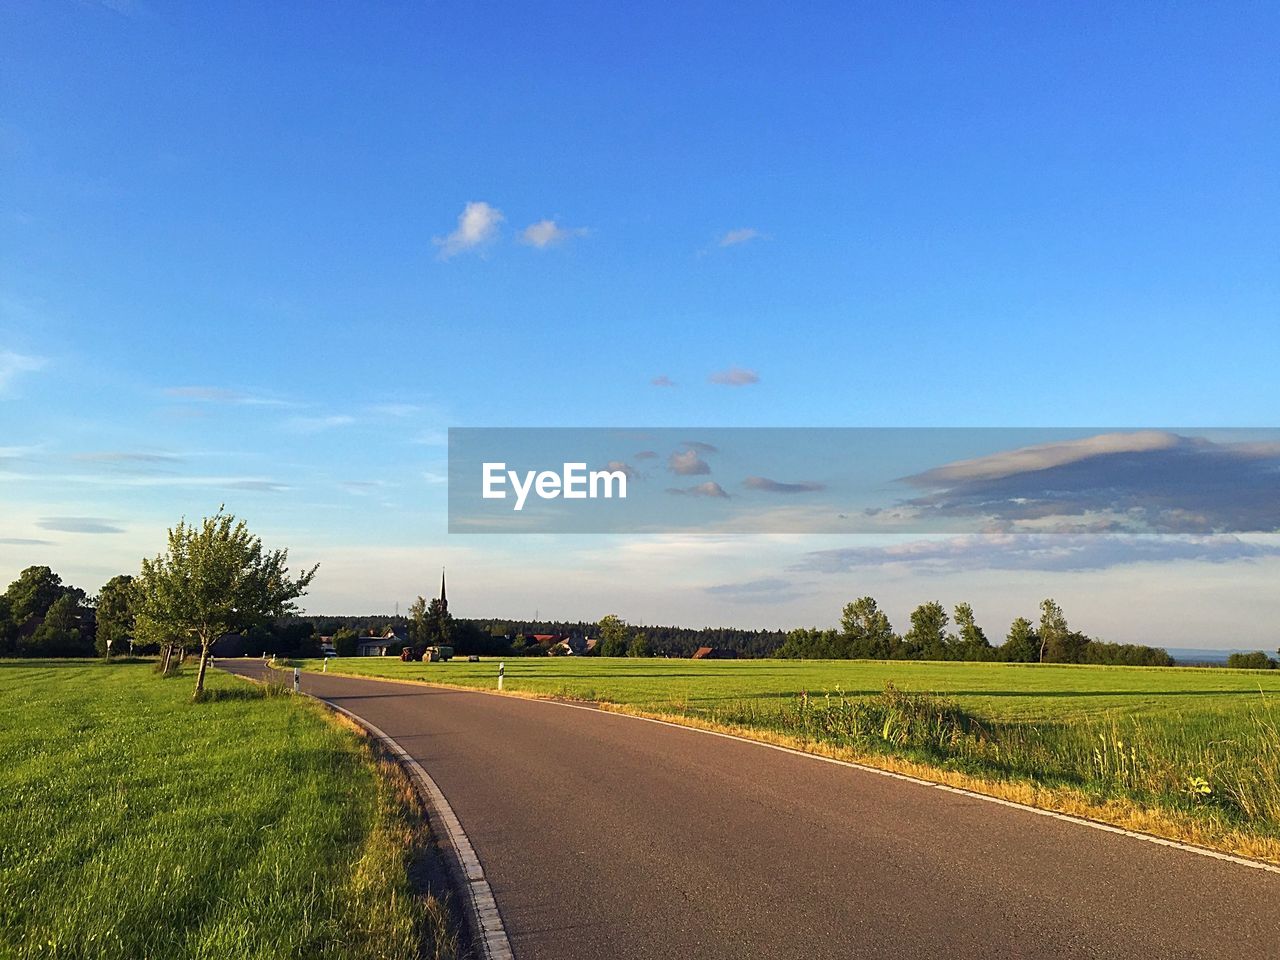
[(488, 932)]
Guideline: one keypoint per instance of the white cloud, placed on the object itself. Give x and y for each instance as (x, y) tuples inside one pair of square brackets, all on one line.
[(687, 463), (735, 377), (14, 364), (742, 235), (547, 233), (477, 227)]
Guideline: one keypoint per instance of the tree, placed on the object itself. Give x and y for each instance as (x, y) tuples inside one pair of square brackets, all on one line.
[(114, 614), (639, 646), (1022, 644), (1258, 660), (59, 633), (345, 642), (1053, 629), (8, 629), (34, 592), (214, 579), (613, 637), (866, 631), (928, 634), (439, 623), (971, 641), (419, 631)]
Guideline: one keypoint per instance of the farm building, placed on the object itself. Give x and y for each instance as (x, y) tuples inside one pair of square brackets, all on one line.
[(715, 653)]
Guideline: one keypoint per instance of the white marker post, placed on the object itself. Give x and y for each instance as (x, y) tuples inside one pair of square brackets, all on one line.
[(502, 669), (297, 679), (325, 668)]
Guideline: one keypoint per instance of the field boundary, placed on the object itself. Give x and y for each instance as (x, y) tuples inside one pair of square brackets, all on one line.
[(489, 935), (638, 714)]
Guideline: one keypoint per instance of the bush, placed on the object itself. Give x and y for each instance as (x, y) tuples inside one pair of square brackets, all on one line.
[(1251, 661)]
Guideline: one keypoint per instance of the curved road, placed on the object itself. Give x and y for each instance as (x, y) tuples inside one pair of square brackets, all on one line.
[(607, 837)]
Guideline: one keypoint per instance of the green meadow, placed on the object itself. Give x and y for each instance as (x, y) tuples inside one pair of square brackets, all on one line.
[(135, 824), (1000, 691), (1190, 752)]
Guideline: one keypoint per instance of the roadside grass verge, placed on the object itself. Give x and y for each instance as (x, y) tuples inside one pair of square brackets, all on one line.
[(135, 825), (1186, 754)]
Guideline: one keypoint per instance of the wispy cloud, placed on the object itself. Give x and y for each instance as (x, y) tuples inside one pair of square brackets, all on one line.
[(398, 410), (1049, 552), (548, 233), (662, 381), (13, 365), (477, 227), (708, 489), (319, 424), (647, 455), (78, 525), (256, 486), (732, 238), (764, 590), (766, 485), (125, 456), (687, 463), (735, 377), (25, 542), (208, 394)]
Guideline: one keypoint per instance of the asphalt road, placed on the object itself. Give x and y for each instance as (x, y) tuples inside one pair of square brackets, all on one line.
[(607, 837)]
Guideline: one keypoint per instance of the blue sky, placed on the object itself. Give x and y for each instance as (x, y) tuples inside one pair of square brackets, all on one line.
[(226, 271)]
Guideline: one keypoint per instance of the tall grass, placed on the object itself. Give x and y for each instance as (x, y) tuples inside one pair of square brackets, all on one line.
[(135, 824), (1224, 765)]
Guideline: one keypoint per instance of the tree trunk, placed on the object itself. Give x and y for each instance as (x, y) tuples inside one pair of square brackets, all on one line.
[(165, 654), (204, 662)]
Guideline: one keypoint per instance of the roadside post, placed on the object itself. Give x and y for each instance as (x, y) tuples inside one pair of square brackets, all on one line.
[(502, 669), (325, 668), (297, 679)]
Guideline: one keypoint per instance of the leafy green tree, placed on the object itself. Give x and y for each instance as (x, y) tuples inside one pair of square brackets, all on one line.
[(440, 623), (639, 646), (1022, 644), (970, 641), (215, 578), (345, 642), (866, 631), (812, 644), (34, 592), (928, 634), (419, 629), (59, 633), (1258, 660), (8, 629), (114, 615), (613, 637), (1053, 631)]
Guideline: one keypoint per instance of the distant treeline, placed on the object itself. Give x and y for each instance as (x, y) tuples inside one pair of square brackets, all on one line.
[(866, 634), (40, 616)]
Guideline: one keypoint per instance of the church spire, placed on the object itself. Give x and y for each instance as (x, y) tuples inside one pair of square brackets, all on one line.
[(444, 602)]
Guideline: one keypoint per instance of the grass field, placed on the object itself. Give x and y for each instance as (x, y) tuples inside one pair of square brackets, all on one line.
[(1191, 753), (997, 690), (135, 824)]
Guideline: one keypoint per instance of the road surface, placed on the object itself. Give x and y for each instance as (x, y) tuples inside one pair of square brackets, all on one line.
[(607, 838)]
